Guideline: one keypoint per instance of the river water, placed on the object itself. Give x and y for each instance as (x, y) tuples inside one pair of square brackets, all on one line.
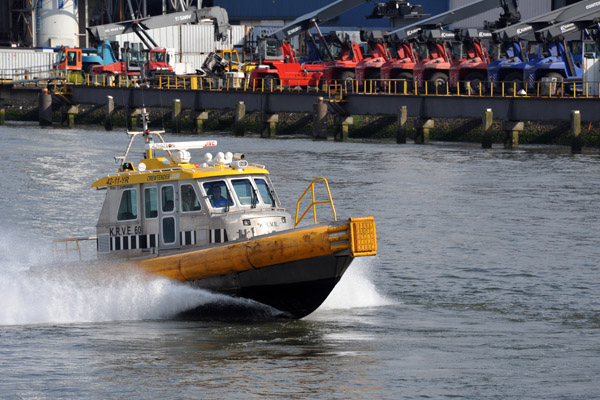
[(486, 284)]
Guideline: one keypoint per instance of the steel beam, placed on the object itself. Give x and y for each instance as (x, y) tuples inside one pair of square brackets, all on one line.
[(505, 108)]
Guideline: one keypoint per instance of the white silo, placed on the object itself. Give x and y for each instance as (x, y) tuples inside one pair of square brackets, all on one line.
[(59, 24)]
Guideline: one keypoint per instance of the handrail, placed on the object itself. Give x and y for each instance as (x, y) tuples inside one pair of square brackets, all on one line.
[(67, 250), (314, 203), (336, 90)]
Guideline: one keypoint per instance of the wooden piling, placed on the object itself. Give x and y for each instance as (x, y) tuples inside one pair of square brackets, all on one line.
[(401, 126), (110, 110), (176, 116), (342, 127), (320, 119), (201, 116), (269, 125), (72, 111), (488, 119), (240, 117), (132, 118), (45, 108), (2, 116), (576, 143), (511, 133), (423, 127)]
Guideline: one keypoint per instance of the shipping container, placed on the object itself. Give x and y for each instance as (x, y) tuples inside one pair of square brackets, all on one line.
[(22, 63)]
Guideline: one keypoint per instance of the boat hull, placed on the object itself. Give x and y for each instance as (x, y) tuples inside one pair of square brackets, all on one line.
[(295, 288), (292, 271)]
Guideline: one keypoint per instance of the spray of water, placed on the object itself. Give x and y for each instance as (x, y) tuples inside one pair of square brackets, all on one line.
[(81, 294), (356, 289)]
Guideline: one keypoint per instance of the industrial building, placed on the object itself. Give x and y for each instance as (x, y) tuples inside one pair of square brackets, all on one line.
[(49, 23)]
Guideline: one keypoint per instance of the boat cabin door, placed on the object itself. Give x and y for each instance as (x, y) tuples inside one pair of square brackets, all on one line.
[(168, 215)]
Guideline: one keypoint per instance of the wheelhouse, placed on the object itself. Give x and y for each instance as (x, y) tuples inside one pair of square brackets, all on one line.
[(168, 204)]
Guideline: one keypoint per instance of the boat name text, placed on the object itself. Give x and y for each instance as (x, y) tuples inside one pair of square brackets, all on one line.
[(125, 230), (163, 177)]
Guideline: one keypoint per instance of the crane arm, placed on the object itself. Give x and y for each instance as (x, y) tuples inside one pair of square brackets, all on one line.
[(526, 29), (444, 19), (191, 16), (324, 14), (576, 24)]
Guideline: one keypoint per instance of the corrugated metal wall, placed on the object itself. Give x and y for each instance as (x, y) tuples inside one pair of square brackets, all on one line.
[(191, 43), (527, 8), (25, 63)]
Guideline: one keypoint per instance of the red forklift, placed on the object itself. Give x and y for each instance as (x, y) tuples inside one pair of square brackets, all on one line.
[(368, 71), (431, 73), (342, 63), (277, 64)]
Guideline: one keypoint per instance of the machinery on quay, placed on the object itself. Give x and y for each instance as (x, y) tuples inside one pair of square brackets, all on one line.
[(380, 52), (520, 45), (277, 63), (153, 60), (434, 70), (367, 71), (565, 62), (349, 55)]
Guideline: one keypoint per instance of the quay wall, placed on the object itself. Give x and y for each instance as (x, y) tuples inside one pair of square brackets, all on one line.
[(22, 105)]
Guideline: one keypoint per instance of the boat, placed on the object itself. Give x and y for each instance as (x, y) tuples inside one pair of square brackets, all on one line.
[(219, 225)]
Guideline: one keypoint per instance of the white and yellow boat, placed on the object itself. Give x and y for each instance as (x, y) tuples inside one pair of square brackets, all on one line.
[(219, 225)]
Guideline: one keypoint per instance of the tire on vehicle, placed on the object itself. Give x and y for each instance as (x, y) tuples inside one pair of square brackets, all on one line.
[(477, 82), (437, 83), (513, 83), (271, 82)]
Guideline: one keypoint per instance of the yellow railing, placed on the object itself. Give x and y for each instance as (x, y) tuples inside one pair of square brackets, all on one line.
[(313, 204), (333, 90)]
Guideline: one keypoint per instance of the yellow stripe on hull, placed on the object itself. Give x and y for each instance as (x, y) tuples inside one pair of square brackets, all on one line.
[(256, 253)]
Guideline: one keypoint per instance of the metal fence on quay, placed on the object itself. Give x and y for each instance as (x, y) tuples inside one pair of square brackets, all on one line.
[(59, 81)]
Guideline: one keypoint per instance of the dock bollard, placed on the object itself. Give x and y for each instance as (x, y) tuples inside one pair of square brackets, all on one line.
[(176, 115), (45, 108), (240, 118), (320, 119), (576, 144), (488, 119), (401, 125), (110, 110)]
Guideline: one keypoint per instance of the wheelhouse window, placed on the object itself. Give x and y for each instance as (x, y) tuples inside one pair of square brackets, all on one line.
[(167, 194), (128, 206), (189, 198), (245, 192), (150, 202), (265, 192), (218, 194)]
